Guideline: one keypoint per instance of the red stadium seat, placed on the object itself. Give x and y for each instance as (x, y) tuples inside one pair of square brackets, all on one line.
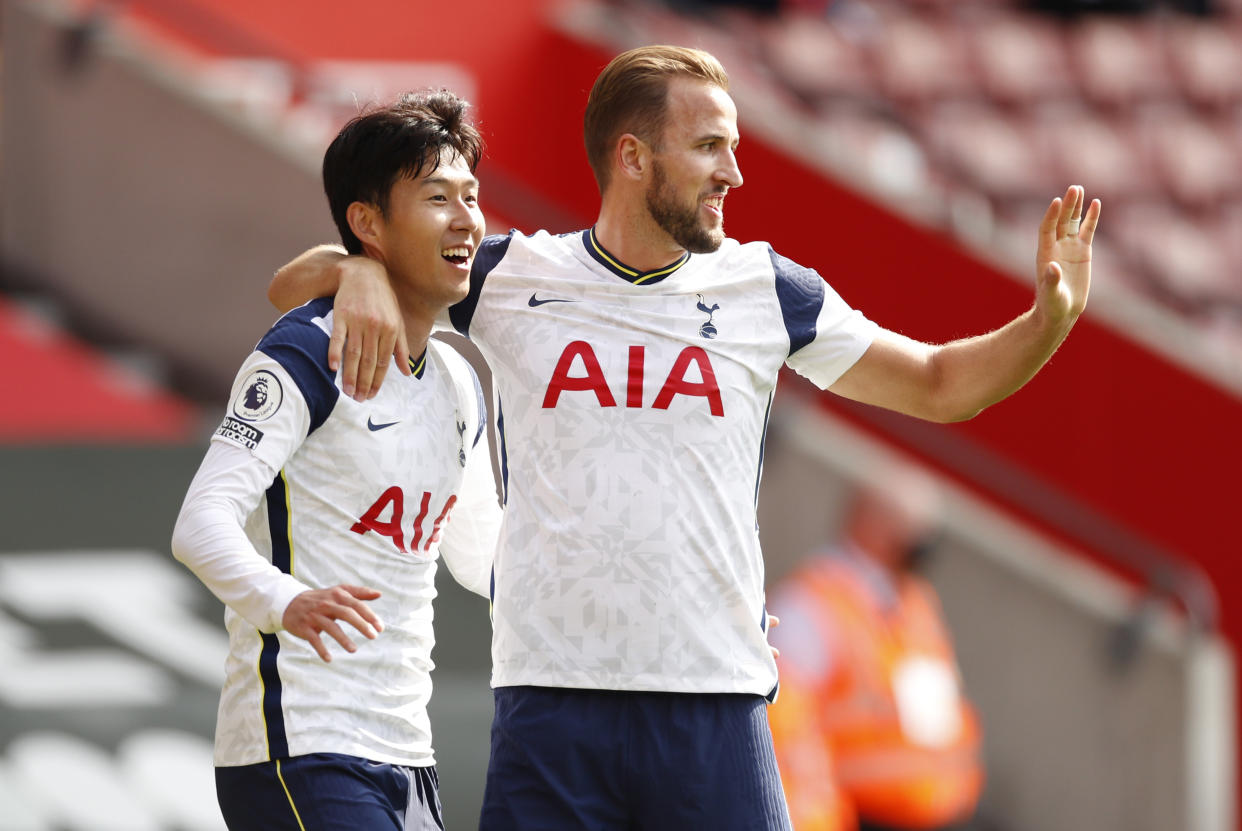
[(923, 60), (883, 154), (1120, 61), (1021, 58), (1206, 60), (1228, 232), (1085, 147), (1198, 160), (1181, 253), (816, 59), (984, 147)]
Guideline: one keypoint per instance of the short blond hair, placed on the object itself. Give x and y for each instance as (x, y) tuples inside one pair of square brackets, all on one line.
[(631, 96)]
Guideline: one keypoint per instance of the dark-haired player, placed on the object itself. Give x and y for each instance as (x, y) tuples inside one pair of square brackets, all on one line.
[(313, 511)]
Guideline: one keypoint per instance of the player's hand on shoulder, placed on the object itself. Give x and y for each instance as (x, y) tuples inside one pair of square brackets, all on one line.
[(367, 327), (316, 612)]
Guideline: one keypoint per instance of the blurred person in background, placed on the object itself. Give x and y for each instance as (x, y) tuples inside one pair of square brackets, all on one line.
[(871, 726), (635, 361), (312, 510)]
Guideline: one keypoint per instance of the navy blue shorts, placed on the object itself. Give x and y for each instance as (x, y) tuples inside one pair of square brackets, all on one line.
[(599, 759), (329, 792)]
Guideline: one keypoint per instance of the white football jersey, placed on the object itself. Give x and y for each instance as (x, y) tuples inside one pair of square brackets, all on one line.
[(631, 412), (303, 487)]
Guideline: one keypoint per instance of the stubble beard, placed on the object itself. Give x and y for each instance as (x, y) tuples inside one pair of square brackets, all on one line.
[(681, 222)]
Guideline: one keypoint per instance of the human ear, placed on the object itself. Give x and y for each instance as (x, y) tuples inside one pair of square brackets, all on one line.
[(633, 157), (364, 221)]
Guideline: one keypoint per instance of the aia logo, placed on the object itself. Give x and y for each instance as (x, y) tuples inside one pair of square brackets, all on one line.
[(678, 381), (392, 503)]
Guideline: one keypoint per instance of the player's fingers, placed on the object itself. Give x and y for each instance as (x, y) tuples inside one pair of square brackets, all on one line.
[(381, 364), (773, 621), (353, 597), (386, 346), (313, 639), (356, 619), (345, 607), (367, 366), (1075, 221), (336, 344), (361, 592), (370, 619), (1068, 204), (1048, 225), (381, 369), (1086, 232), (338, 634), (349, 369), (401, 352)]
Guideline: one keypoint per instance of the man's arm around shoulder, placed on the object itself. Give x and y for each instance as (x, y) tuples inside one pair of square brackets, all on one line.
[(367, 324)]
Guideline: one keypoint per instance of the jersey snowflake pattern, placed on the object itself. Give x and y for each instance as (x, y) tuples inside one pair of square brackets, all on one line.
[(631, 410)]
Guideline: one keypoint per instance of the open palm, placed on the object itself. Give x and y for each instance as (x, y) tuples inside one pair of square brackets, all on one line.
[(1063, 256)]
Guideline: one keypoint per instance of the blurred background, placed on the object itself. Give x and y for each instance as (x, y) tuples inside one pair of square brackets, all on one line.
[(159, 161)]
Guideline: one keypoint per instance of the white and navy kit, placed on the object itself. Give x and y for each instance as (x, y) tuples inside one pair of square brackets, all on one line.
[(631, 409), (303, 487)]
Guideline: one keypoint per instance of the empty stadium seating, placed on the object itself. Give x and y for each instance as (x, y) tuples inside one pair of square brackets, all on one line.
[(1002, 105)]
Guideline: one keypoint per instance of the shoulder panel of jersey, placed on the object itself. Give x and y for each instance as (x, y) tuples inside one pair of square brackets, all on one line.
[(491, 251), (299, 343), (800, 291), (826, 335)]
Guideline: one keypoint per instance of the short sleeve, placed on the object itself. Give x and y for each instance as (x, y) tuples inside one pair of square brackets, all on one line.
[(826, 335)]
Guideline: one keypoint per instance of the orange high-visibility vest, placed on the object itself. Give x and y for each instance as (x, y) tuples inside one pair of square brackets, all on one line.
[(905, 744), (805, 761)]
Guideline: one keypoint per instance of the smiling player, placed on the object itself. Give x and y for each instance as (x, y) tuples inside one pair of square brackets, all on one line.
[(312, 509), (635, 364)]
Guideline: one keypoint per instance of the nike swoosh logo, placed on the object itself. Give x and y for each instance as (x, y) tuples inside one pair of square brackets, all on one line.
[(372, 426), (534, 301)]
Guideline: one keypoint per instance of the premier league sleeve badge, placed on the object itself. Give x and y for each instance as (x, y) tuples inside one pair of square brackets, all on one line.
[(257, 399)]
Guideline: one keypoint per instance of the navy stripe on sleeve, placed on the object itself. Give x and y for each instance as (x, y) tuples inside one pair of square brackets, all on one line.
[(491, 252), (301, 347), (800, 291), (273, 715), (269, 672)]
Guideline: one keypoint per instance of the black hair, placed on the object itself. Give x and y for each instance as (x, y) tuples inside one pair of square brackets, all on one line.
[(404, 140)]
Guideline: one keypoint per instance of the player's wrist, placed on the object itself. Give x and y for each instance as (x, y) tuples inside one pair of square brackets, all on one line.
[(361, 270), (1053, 321)]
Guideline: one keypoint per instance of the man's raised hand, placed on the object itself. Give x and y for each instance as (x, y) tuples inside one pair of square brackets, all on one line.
[(1063, 257)]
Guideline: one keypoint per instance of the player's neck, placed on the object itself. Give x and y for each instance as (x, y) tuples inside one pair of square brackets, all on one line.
[(418, 319), (630, 235)]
